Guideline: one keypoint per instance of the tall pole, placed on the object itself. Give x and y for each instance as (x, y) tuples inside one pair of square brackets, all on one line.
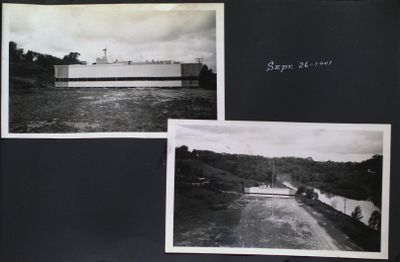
[(199, 60), (273, 173)]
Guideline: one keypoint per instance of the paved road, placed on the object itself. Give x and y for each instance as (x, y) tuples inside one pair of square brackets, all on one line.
[(263, 223)]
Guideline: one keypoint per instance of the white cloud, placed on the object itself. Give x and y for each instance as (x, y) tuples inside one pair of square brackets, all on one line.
[(128, 31), (320, 144)]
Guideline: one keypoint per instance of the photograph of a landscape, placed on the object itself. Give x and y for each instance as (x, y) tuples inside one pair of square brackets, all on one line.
[(113, 68), (277, 188)]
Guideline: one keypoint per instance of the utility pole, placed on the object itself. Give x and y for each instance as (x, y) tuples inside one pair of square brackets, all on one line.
[(199, 60), (273, 173)]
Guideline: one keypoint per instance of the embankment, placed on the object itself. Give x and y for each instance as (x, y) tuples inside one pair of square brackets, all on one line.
[(359, 233)]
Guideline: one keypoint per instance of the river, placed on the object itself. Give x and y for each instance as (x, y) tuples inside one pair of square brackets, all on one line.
[(344, 204)]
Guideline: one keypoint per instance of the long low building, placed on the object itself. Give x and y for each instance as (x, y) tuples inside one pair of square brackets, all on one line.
[(269, 191), (128, 74)]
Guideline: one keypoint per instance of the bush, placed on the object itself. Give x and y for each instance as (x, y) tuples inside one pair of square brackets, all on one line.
[(301, 190), (357, 213), (311, 194), (308, 192), (374, 221)]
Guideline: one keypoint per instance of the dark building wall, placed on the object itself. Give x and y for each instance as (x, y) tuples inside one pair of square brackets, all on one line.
[(61, 71), (191, 70)]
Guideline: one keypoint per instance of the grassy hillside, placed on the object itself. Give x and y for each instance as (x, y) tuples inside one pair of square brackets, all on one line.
[(199, 185), (359, 233), (30, 75)]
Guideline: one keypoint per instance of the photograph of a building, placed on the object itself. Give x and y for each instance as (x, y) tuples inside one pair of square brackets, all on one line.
[(278, 188), (111, 69)]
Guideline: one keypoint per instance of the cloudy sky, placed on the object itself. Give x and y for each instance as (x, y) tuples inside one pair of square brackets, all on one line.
[(278, 141), (129, 32)]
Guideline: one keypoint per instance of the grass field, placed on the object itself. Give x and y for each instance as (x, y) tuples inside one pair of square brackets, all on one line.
[(55, 110)]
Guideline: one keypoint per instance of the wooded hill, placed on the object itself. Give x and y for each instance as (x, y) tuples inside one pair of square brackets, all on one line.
[(32, 69), (356, 180)]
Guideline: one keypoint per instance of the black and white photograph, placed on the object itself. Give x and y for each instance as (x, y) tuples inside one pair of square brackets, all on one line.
[(278, 188), (110, 70)]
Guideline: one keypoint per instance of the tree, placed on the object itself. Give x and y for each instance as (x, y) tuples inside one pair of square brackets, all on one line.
[(31, 56), (16, 54), (357, 214), (182, 152), (71, 58), (374, 221), (311, 194), (301, 190), (207, 79)]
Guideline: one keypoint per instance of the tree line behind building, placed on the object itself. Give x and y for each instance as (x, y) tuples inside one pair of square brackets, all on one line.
[(30, 69)]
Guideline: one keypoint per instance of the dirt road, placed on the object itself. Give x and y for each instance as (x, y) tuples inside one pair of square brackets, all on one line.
[(263, 223)]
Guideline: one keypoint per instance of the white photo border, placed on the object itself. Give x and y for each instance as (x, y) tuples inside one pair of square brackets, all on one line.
[(220, 65), (170, 181)]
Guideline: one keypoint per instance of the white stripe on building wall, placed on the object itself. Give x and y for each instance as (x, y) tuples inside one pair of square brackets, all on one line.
[(116, 70)]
